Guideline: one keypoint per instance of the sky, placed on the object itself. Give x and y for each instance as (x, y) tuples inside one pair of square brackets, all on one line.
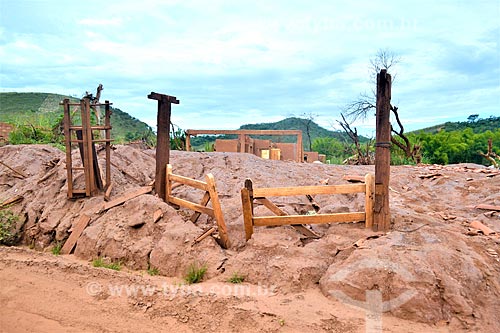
[(242, 62)]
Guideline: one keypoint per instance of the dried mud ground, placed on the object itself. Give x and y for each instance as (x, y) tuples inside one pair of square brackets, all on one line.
[(432, 271)]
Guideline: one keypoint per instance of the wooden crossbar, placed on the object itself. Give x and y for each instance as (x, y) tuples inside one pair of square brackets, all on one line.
[(210, 195), (308, 219), (303, 190), (249, 194)]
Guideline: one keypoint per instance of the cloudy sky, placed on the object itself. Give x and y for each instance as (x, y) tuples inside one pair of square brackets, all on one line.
[(238, 62)]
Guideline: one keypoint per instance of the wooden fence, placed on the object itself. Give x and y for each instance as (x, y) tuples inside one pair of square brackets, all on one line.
[(249, 194), (210, 195)]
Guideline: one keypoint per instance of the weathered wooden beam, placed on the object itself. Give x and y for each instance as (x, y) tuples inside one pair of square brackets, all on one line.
[(162, 141), (247, 205), (15, 199), (20, 173), (125, 197), (189, 181), (381, 217), (163, 98), (191, 205), (369, 199), (308, 219), (304, 190), (80, 225), (219, 217), (488, 207), (204, 202), (107, 194), (204, 235), (157, 215)]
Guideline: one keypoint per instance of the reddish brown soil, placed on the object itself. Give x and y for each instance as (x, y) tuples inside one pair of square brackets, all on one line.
[(449, 273)]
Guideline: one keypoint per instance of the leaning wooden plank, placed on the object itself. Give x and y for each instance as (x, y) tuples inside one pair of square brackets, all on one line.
[(303, 190), (125, 197), (11, 201), (20, 173), (191, 205), (48, 175), (479, 226), (430, 175), (80, 225), (157, 215), (276, 210), (204, 202), (204, 235), (107, 194), (217, 209), (271, 206), (189, 181), (354, 178), (488, 207), (309, 219)]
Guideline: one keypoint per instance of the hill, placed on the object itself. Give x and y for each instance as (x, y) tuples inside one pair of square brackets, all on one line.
[(478, 126), (292, 123), (43, 110)]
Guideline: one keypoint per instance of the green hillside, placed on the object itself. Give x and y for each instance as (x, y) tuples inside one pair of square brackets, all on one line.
[(42, 110), (478, 126)]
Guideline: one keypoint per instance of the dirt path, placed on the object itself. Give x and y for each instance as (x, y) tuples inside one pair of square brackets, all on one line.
[(40, 292)]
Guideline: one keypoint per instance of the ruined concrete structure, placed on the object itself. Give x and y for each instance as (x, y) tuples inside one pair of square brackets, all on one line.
[(262, 148)]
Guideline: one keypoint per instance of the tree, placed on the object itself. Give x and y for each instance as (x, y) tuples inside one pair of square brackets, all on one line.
[(384, 59), (307, 120), (472, 118), (361, 158)]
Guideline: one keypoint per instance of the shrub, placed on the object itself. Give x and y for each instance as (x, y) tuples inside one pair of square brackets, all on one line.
[(101, 262), (8, 221), (236, 278), (195, 273)]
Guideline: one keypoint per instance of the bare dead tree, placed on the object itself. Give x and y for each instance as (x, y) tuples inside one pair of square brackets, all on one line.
[(411, 151), (307, 119), (362, 158), (490, 154), (366, 103)]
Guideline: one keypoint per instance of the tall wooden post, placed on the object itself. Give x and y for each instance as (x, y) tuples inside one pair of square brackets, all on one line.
[(162, 139), (381, 212)]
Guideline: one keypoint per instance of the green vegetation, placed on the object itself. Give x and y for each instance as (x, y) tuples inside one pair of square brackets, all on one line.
[(37, 119), (56, 249), (236, 278), (475, 123), (443, 147), (195, 273), (460, 146), (101, 262), (153, 271), (8, 222)]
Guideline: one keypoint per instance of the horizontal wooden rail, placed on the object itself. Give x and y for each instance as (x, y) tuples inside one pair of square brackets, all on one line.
[(309, 219), (191, 205), (189, 181), (210, 195), (303, 190)]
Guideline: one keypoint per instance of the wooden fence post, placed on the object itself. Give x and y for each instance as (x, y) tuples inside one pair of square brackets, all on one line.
[(381, 212), (369, 199), (247, 203), (162, 139)]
